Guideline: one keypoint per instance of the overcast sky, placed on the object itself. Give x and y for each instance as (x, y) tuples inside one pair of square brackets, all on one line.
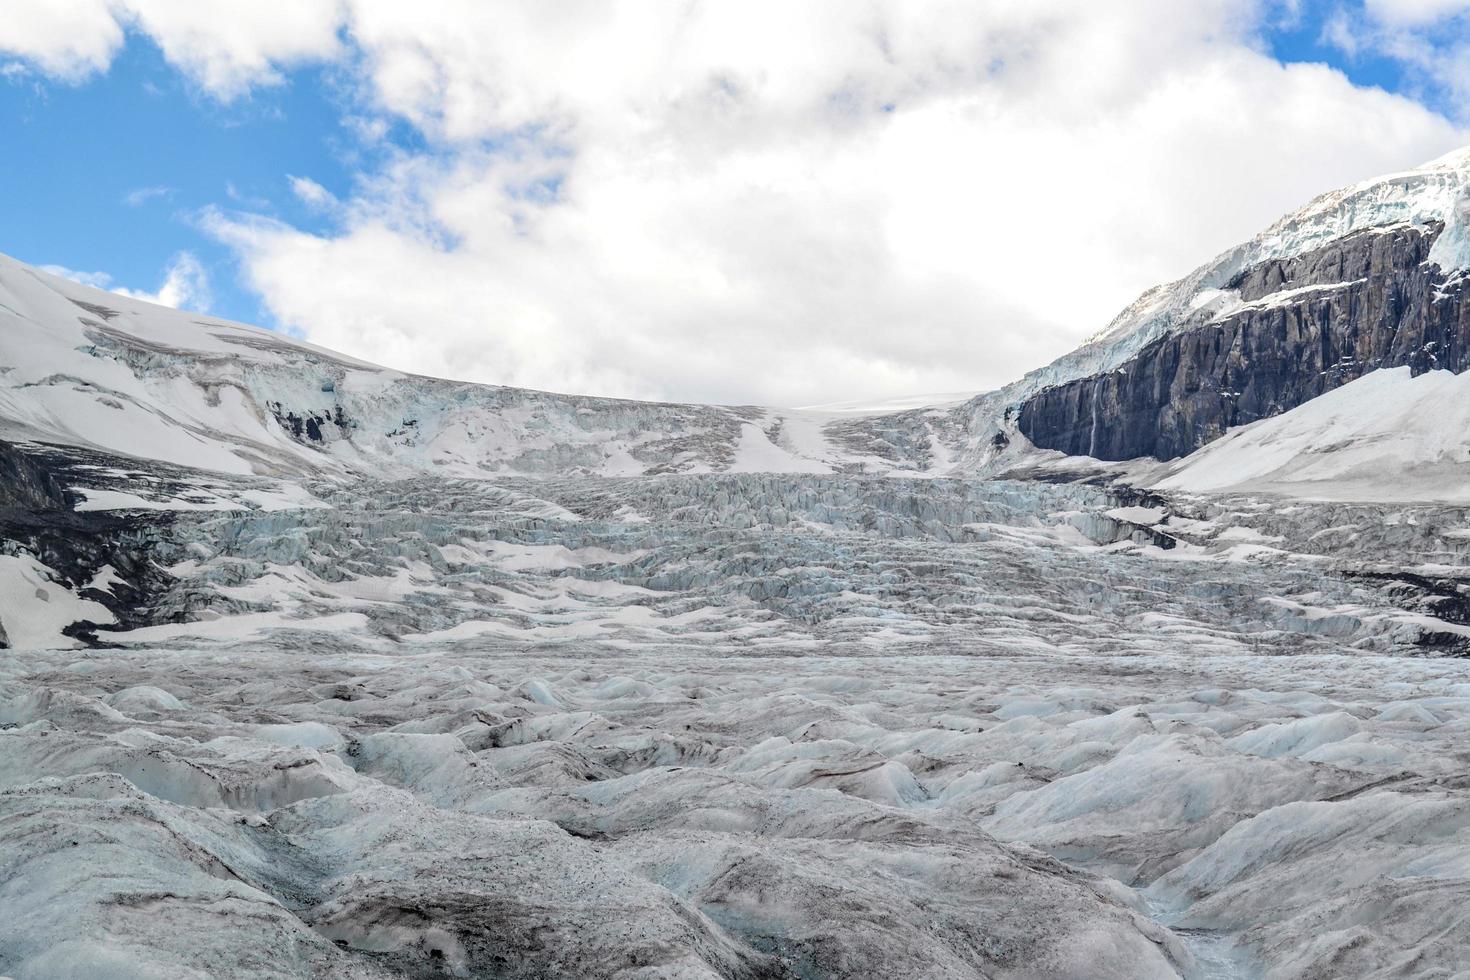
[(780, 203)]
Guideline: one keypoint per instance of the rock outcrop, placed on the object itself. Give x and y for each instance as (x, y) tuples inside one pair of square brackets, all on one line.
[(109, 558), (1279, 334)]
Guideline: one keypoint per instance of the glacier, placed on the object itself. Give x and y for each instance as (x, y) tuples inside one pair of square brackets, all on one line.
[(314, 668)]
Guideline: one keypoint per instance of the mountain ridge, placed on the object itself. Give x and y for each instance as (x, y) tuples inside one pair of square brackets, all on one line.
[(90, 368)]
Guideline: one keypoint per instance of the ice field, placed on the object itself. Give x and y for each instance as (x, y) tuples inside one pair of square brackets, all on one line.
[(754, 726)]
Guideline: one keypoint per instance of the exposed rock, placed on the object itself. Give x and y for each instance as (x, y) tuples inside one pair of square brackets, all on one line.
[(37, 517), (1302, 326)]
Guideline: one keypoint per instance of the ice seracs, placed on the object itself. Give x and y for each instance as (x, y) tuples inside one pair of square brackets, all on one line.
[(88, 368)]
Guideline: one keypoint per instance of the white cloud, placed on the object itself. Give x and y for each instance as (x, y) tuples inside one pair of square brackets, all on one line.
[(97, 280), (142, 195), (224, 47), (1429, 38), (228, 47), (312, 194), (1414, 12), (800, 204), (783, 203), (67, 39), (185, 285)]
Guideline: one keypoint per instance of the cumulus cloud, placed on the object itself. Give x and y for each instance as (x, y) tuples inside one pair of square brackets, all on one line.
[(224, 47), (185, 285), (97, 280), (228, 47), (66, 39), (793, 203), (312, 194), (701, 202)]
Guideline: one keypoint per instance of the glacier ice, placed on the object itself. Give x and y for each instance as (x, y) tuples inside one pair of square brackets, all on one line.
[(750, 725), (313, 668)]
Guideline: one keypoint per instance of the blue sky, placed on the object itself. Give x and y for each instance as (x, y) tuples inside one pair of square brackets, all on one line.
[(719, 219), (1308, 35), (110, 175), (1303, 41)]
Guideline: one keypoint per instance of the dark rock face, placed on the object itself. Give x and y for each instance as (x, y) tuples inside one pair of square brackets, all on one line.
[(1378, 305), (311, 425), (31, 482), (1443, 599), (37, 516)]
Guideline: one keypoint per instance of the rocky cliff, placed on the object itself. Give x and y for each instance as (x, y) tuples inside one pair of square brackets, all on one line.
[(1279, 334)]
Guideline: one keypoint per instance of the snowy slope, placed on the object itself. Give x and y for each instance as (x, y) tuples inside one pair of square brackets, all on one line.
[(83, 367), (1387, 436)]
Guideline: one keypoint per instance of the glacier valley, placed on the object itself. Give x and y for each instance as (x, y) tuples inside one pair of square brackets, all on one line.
[(315, 669)]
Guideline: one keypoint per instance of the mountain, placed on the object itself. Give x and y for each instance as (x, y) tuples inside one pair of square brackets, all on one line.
[(1367, 278), (1364, 278), (1150, 664), (94, 369)]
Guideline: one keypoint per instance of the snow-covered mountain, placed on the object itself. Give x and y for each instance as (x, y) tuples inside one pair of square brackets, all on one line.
[(83, 367), (314, 668), (1367, 278), (1362, 278)]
